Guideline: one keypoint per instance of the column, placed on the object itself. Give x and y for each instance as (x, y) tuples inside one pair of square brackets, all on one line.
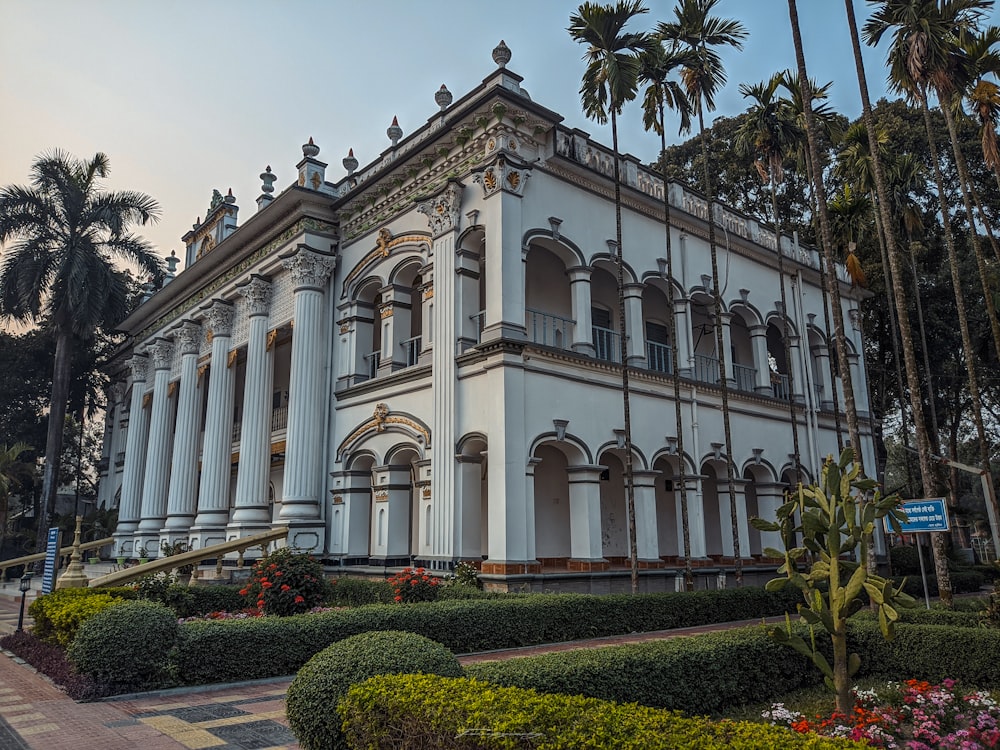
[(727, 348), (770, 497), (853, 362), (758, 339), (154, 485), (356, 330), (129, 509), (182, 495), (504, 261), (682, 316), (634, 332), (470, 469), (307, 411), (216, 454), (396, 310), (696, 518), (821, 356), (646, 534), (586, 546), (795, 368), (579, 280), (427, 313), (726, 516), (390, 543), (251, 514), (443, 215), (466, 299), (352, 496)]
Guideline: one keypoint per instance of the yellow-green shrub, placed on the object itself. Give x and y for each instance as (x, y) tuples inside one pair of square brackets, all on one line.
[(419, 711), (59, 615)]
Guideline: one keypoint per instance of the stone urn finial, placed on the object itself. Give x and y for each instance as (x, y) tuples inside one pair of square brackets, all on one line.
[(267, 179), (501, 54), (310, 149), (349, 162), (443, 97), (394, 131)]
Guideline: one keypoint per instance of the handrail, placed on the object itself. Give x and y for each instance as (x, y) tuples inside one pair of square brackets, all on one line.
[(37, 556), (171, 562)]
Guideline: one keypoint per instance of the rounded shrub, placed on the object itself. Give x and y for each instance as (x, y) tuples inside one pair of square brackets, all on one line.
[(126, 647), (311, 703), (285, 582)]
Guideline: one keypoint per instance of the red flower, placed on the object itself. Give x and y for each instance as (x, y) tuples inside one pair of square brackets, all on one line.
[(243, 592), (299, 599), (414, 582), (266, 584), (285, 587), (398, 598), (263, 580)]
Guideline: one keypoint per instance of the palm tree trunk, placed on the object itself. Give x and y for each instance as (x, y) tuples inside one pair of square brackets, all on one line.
[(675, 375), (629, 479), (934, 437), (938, 542), (720, 350), (53, 439), (784, 332), (986, 222), (833, 284)]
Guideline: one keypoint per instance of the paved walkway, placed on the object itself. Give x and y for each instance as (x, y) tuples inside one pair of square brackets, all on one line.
[(37, 715)]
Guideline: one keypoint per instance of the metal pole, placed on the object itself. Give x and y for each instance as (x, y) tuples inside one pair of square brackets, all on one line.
[(923, 573), (20, 617)]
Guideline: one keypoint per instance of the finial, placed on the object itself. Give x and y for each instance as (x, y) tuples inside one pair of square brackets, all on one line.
[(230, 198), (350, 163), (501, 54), (267, 179), (310, 149), (443, 97), (394, 131)]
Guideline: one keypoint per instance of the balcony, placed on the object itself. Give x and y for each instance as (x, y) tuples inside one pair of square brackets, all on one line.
[(606, 344), (373, 361), (746, 378), (411, 351), (660, 358), (706, 369), (549, 330), (779, 386)]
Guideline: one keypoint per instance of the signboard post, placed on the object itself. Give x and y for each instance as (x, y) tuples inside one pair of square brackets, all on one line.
[(51, 561), (923, 517)]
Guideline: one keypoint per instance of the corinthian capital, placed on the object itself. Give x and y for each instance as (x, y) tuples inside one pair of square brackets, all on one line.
[(442, 211), (139, 364), (162, 351), (309, 269), (257, 293), (188, 337), (219, 317)]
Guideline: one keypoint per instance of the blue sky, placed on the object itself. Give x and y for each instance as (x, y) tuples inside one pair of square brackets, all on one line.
[(186, 95)]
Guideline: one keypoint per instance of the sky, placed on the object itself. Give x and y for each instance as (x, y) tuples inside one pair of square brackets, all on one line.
[(187, 96)]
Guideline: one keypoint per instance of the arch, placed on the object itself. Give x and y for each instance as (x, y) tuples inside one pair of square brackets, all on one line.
[(662, 282), (574, 448), (760, 471), (778, 320), (471, 443), (406, 270), (364, 455), (565, 249), (386, 245), (612, 445), (597, 260), (750, 314), (385, 420), (668, 454)]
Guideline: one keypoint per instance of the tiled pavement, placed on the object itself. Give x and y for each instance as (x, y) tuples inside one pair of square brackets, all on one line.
[(36, 715)]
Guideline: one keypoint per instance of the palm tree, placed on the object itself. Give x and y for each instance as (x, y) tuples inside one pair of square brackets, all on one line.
[(983, 96), (769, 133), (9, 475), (695, 29), (609, 82), (656, 66), (923, 56), (64, 235)]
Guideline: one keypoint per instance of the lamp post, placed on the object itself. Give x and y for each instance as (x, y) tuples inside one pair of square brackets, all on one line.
[(24, 586)]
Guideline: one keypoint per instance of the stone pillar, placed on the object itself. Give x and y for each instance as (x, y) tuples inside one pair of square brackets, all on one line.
[(725, 516), (443, 214), (795, 368), (217, 450), (129, 509), (395, 315), (352, 496), (471, 538), (853, 362), (696, 518), (634, 332), (821, 355), (427, 314), (391, 491), (646, 534), (586, 546), (504, 257), (758, 339), (358, 318), (467, 300), (682, 314), (300, 507), (251, 514), (182, 495), (579, 279), (155, 482), (770, 497), (727, 348)]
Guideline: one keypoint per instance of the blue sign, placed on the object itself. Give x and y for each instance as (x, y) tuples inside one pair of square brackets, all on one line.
[(923, 516), (51, 558)]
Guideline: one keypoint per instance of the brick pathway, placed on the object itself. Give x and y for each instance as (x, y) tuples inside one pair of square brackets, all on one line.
[(36, 715)]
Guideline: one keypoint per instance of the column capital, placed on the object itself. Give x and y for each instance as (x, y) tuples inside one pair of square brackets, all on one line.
[(219, 315), (139, 365), (257, 293), (309, 268), (162, 352), (758, 329), (188, 337), (579, 273), (444, 209)]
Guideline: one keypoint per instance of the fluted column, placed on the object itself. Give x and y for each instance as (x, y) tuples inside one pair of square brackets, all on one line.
[(154, 485), (306, 404), (727, 348), (216, 455), (579, 279), (682, 313), (135, 462), (182, 495), (634, 332), (251, 514), (758, 339)]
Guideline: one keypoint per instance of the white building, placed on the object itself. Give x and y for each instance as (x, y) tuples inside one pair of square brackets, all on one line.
[(417, 362)]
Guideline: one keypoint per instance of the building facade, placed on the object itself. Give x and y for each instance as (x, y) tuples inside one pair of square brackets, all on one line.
[(419, 362)]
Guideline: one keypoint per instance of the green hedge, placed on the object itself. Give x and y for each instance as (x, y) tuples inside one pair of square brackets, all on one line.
[(217, 651), (965, 581), (356, 592), (421, 711)]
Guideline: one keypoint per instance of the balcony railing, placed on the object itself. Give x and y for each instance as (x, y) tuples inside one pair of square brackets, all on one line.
[(779, 385), (606, 346), (549, 330), (279, 418), (706, 369), (660, 357), (411, 350), (746, 377), (372, 360)]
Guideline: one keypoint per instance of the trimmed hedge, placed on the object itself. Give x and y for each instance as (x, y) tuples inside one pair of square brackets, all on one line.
[(59, 614), (962, 582), (356, 592), (325, 679), (217, 651), (422, 711)]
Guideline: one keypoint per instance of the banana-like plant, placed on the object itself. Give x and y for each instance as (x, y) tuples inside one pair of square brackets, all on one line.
[(831, 520)]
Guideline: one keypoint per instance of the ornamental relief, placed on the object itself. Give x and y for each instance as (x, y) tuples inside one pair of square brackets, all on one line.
[(385, 245), (503, 175), (384, 419), (443, 210)]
